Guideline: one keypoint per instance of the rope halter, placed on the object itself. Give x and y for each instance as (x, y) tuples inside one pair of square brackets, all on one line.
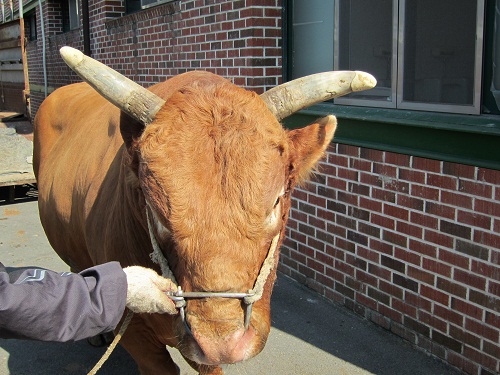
[(179, 297)]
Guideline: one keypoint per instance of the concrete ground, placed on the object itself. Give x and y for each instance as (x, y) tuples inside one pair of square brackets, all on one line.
[(17, 121), (309, 334)]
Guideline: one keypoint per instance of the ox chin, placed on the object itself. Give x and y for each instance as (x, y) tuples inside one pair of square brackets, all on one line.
[(219, 349)]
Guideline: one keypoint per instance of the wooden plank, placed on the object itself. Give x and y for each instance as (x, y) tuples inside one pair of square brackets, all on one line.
[(10, 44), (17, 179)]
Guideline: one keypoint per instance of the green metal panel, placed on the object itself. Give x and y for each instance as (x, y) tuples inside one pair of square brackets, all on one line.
[(472, 140)]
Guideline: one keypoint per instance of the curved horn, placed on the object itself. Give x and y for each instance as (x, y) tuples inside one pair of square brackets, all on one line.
[(290, 97), (131, 98)]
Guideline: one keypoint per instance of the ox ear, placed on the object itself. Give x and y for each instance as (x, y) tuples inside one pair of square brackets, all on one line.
[(309, 144), (130, 129)]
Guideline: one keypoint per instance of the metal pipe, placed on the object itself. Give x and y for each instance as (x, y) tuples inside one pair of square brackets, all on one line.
[(24, 60), (86, 27), (182, 294), (44, 49), (178, 297)]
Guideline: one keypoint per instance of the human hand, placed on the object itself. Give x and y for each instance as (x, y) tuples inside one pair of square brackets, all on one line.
[(146, 291)]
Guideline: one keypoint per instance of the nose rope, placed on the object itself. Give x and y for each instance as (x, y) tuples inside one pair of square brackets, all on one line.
[(265, 270), (179, 297), (157, 256)]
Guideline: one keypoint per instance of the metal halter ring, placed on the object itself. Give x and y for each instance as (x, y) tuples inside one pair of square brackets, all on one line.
[(179, 297)]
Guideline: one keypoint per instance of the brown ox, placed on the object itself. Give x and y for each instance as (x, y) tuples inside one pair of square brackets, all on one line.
[(213, 168)]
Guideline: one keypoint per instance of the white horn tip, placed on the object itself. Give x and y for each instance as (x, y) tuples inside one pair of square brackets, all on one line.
[(363, 81), (71, 56)]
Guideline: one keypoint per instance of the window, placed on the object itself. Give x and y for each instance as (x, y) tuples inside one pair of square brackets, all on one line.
[(425, 54), (436, 62), (30, 25), (364, 41), (74, 14), (132, 6), (312, 50), (70, 11), (492, 78), (137, 5)]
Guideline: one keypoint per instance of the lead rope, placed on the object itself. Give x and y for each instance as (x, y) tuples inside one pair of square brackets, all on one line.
[(258, 288), (156, 257), (113, 344)]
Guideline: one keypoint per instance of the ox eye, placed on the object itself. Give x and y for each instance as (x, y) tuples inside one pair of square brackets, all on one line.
[(277, 202), (272, 218)]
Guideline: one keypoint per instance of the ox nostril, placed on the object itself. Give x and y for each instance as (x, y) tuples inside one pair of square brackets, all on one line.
[(244, 348), (226, 349)]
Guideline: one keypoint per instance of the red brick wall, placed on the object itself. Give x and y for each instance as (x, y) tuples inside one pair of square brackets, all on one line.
[(239, 40), (411, 244), (235, 39)]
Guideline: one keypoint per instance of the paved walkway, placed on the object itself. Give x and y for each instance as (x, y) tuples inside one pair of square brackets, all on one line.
[(309, 334)]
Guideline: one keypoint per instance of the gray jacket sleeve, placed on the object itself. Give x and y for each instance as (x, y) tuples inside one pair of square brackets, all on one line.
[(44, 305)]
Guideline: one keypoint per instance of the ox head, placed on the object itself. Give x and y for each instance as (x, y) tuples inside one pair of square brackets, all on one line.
[(216, 170)]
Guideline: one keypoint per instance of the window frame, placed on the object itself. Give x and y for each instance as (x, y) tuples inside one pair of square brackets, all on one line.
[(394, 61), (155, 3), (457, 138), (74, 15), (397, 64)]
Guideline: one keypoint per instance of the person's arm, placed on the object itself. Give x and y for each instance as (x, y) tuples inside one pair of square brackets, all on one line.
[(45, 305)]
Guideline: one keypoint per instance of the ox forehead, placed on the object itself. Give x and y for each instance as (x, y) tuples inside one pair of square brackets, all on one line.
[(228, 163)]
